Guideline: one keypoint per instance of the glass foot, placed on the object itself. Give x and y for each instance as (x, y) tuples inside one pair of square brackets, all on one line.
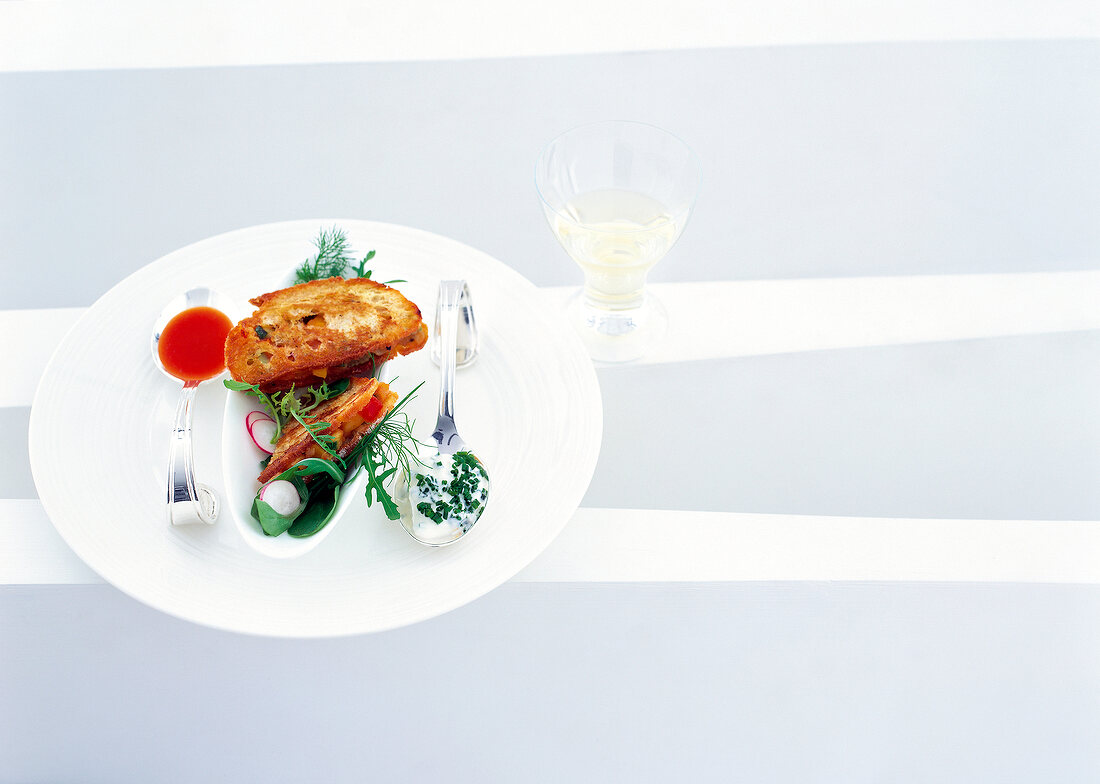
[(617, 336)]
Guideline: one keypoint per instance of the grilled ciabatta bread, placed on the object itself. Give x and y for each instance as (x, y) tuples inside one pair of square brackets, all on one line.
[(331, 329), (350, 416)]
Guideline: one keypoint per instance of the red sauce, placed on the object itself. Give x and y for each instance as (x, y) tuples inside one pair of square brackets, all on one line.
[(192, 344)]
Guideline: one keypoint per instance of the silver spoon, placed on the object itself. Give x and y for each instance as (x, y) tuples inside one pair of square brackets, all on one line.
[(187, 501), (466, 335), (454, 296)]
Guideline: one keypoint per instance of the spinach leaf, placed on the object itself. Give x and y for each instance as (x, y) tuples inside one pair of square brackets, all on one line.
[(271, 521), (317, 505), (317, 515)]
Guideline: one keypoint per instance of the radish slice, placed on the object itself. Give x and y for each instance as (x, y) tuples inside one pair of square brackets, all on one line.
[(262, 429), (282, 496), (253, 416)]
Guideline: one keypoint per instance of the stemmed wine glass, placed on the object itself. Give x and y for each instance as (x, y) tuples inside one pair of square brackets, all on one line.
[(617, 194)]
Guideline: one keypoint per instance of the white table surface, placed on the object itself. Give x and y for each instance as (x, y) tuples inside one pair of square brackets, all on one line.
[(858, 537)]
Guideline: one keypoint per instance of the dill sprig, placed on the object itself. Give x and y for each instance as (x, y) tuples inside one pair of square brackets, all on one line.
[(334, 258)]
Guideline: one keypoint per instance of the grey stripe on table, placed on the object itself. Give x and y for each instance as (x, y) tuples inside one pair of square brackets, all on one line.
[(872, 682), (16, 480), (1002, 429), (876, 159)]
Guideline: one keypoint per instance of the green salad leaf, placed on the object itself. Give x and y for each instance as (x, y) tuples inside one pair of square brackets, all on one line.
[(390, 447), (317, 515), (271, 522), (318, 501)]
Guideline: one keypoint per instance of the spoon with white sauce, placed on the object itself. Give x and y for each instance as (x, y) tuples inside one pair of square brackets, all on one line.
[(443, 500)]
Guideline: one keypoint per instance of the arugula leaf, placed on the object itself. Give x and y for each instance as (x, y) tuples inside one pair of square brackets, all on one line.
[(376, 485), (309, 398), (311, 466), (389, 448), (326, 442), (359, 268), (269, 403), (295, 404)]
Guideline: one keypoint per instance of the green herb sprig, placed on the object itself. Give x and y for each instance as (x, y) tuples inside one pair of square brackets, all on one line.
[(334, 258), (389, 448), (316, 431)]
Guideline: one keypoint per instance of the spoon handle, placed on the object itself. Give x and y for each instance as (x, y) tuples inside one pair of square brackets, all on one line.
[(446, 435), (187, 501)]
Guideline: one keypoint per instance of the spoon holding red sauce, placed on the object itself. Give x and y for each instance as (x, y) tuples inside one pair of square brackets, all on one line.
[(189, 345)]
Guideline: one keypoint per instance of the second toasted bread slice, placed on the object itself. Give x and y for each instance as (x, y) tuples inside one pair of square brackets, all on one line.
[(350, 417)]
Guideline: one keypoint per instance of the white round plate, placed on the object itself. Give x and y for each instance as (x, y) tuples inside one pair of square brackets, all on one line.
[(530, 406)]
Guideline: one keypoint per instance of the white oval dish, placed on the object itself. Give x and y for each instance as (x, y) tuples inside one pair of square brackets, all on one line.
[(240, 467)]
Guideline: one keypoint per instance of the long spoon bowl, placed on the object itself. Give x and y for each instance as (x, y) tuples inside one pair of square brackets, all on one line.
[(454, 301)]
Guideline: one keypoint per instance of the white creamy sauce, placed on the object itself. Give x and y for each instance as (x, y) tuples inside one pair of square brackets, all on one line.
[(445, 497)]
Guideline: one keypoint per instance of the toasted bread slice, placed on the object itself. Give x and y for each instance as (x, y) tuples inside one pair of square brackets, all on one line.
[(346, 414), (331, 329)]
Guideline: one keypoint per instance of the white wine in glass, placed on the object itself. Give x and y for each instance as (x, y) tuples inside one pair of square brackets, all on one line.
[(617, 195), (616, 236)]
